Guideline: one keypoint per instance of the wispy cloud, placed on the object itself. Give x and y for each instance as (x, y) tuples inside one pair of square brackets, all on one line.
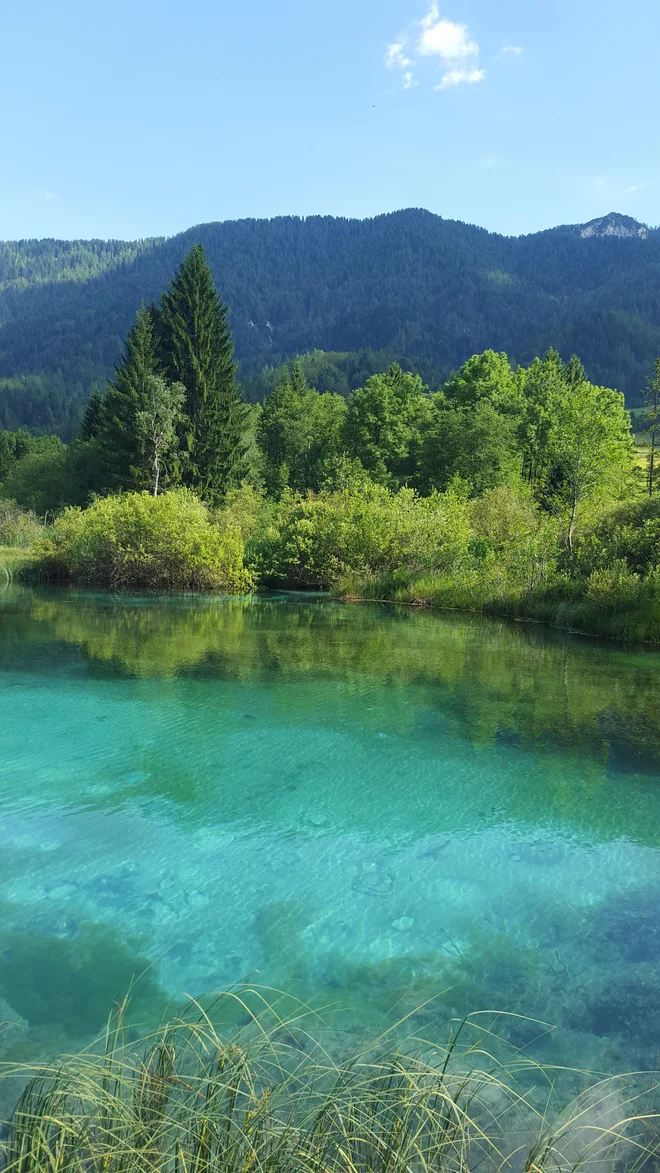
[(396, 58), (635, 187), (458, 77), (409, 81), (511, 51), (50, 195)]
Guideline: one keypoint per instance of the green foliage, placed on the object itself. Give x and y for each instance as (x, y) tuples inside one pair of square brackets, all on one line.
[(94, 417), (650, 422), (118, 454), (317, 540), (300, 433), (383, 422), (628, 533), (197, 350), (157, 425), (136, 540), (486, 376), (591, 451), (476, 443), (40, 479), (18, 527)]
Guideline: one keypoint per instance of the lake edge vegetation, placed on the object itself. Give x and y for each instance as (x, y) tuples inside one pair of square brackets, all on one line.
[(282, 1091), (518, 492)]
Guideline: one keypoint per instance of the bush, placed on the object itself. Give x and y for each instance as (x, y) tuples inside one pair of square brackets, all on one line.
[(630, 533), (446, 551), (314, 541), (135, 540), (18, 527)]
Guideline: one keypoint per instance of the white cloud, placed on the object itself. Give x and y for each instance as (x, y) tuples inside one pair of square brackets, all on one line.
[(457, 77), (50, 195), (445, 39), (635, 187), (396, 58), (513, 50), (450, 43)]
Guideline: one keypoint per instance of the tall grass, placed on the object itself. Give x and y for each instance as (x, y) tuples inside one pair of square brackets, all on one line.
[(271, 1097), (614, 602)]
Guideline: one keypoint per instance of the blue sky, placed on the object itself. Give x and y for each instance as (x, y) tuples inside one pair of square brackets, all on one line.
[(129, 118)]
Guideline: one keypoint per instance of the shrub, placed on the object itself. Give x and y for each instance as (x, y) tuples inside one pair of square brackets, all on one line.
[(630, 532), (135, 540), (315, 540)]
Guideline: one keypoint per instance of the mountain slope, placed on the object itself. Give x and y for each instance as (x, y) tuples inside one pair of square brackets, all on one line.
[(432, 291)]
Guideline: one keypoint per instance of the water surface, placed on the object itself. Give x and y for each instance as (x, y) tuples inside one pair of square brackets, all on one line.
[(367, 806)]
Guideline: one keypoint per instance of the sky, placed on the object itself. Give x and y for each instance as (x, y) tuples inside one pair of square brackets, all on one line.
[(134, 118)]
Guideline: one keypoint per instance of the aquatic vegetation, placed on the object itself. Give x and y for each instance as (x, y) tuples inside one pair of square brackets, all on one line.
[(58, 982), (281, 1094)]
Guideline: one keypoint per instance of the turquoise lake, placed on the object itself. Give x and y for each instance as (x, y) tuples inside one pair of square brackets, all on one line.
[(365, 806)]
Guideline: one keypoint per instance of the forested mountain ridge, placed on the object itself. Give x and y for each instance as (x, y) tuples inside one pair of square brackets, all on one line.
[(427, 290)]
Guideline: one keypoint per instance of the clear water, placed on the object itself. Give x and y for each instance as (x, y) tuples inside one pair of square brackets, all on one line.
[(365, 806)]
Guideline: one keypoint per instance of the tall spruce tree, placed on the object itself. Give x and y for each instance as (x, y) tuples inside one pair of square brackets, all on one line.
[(197, 350), (92, 421), (121, 455)]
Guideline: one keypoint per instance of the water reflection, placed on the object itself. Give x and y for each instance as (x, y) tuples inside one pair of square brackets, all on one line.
[(370, 805)]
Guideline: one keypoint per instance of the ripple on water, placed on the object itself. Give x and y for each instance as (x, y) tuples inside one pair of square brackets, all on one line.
[(376, 817)]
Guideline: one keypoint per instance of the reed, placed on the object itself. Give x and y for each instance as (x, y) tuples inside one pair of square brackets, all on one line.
[(269, 1096)]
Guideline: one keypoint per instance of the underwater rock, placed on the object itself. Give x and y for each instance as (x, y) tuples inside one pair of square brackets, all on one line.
[(13, 1028), (372, 880), (403, 923)]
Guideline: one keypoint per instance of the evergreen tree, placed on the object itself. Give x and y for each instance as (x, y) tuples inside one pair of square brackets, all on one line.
[(198, 351), (574, 372), (6, 455), (119, 439), (92, 421), (651, 421)]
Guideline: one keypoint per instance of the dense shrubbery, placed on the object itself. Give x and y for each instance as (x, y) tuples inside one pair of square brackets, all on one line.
[(136, 540)]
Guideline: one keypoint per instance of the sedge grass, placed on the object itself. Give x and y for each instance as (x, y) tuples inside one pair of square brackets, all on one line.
[(271, 1097)]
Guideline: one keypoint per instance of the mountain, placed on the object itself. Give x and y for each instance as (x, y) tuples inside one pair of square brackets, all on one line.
[(411, 284)]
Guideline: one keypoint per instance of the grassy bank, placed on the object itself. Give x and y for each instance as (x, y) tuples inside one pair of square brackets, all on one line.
[(271, 1097), (498, 554), (15, 562), (612, 604)]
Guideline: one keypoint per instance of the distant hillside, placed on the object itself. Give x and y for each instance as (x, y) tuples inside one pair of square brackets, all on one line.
[(410, 284)]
